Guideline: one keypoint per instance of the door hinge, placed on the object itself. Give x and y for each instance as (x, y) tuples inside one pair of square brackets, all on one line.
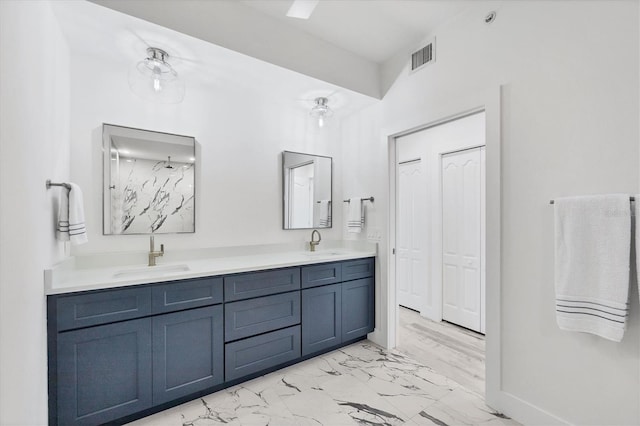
[(393, 250)]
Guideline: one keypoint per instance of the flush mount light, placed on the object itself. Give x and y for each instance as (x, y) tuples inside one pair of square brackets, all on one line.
[(154, 79), (321, 110)]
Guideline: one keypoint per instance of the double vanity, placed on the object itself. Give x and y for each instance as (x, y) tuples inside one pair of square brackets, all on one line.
[(126, 342)]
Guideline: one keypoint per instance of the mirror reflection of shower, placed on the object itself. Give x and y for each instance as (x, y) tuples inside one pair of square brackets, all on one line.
[(149, 181)]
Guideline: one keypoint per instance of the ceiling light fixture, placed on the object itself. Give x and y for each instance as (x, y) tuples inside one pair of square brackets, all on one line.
[(154, 79), (321, 110), (302, 9)]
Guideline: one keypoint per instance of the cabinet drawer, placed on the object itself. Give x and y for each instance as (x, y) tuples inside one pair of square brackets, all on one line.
[(250, 317), (356, 269), (254, 284), (103, 307), (179, 295), (326, 273), (258, 353)]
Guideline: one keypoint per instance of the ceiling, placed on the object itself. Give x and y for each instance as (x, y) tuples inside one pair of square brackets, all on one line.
[(344, 42), (118, 41), (373, 29)]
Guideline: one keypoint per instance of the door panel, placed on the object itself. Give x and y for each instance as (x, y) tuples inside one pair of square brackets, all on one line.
[(411, 272), (187, 352), (461, 237)]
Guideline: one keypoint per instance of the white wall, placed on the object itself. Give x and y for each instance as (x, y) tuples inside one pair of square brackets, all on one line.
[(570, 71), (240, 133), (34, 146)]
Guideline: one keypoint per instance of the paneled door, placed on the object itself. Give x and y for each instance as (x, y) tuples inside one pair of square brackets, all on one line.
[(411, 272), (462, 183)]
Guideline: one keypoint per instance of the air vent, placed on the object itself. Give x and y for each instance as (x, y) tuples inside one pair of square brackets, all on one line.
[(424, 56)]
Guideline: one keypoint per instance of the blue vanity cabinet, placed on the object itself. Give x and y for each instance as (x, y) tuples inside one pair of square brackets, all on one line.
[(116, 355), (103, 372), (337, 313), (188, 352), (321, 318)]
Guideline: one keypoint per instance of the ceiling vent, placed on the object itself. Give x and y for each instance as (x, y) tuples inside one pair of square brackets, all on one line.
[(424, 56)]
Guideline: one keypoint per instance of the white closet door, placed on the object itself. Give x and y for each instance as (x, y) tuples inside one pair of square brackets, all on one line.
[(461, 238), (411, 266)]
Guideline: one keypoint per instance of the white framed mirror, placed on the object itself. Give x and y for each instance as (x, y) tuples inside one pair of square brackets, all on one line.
[(307, 189), (148, 181)]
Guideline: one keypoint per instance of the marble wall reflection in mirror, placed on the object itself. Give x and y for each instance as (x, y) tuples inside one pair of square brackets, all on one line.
[(307, 190), (149, 181)]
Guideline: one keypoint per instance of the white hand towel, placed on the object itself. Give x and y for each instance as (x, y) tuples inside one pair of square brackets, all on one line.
[(592, 247), (355, 217), (325, 213), (71, 226)]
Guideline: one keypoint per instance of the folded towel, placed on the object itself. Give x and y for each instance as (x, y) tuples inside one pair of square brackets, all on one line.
[(592, 246), (71, 225), (324, 210), (355, 217)]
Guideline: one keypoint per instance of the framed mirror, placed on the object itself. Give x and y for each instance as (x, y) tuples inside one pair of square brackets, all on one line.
[(149, 181), (307, 190)]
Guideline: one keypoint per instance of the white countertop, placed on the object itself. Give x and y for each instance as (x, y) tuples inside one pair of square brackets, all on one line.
[(109, 270)]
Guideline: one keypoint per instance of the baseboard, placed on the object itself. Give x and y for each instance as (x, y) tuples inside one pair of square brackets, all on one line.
[(524, 412)]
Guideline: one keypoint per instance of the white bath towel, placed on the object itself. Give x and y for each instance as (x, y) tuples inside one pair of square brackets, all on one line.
[(592, 251), (355, 217), (71, 226), (324, 209)]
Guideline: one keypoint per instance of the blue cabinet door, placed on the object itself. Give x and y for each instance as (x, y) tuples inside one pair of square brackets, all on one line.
[(188, 350), (357, 308), (321, 318), (104, 372)]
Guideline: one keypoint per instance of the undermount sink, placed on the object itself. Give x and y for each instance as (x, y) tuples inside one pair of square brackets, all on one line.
[(323, 253), (150, 271)]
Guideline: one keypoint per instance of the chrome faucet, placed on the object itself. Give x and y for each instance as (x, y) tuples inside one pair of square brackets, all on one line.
[(153, 254), (313, 243)]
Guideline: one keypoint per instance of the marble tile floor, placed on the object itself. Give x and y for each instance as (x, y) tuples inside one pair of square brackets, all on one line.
[(451, 350), (361, 384)]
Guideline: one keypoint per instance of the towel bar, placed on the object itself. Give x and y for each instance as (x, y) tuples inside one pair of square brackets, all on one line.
[(361, 199), (49, 184), (630, 199)]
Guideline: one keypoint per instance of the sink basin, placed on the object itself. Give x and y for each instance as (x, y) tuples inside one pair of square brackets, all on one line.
[(150, 271), (324, 253)]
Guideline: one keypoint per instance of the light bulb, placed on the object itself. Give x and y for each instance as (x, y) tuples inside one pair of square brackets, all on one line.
[(320, 121), (156, 85)]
